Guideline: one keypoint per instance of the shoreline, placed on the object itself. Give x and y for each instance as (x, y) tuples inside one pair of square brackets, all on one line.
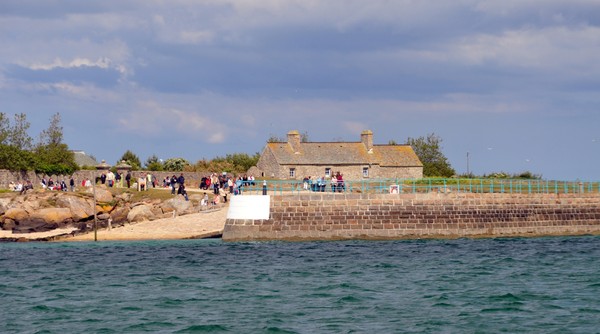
[(192, 226)]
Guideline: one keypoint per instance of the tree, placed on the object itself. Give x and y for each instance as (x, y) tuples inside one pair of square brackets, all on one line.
[(18, 136), (175, 164), (13, 159), (53, 135), (4, 128), (429, 151), (52, 156), (131, 159), (304, 138), (55, 159), (275, 139), (154, 164)]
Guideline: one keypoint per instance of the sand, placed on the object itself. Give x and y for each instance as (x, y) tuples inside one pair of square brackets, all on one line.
[(193, 226)]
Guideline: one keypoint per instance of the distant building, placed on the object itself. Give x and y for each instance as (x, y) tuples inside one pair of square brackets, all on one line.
[(295, 159), (82, 159)]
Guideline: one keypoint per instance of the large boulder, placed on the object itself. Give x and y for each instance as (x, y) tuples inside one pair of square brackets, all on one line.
[(102, 195), (140, 213), (177, 204), (53, 215), (4, 205), (30, 203), (44, 220), (81, 208), (119, 216), (16, 214)]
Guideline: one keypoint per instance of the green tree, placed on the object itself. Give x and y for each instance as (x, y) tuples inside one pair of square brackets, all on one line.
[(53, 135), (18, 136), (4, 128), (242, 161), (275, 139), (131, 159), (154, 164), (14, 159), (51, 154), (304, 138), (175, 164), (429, 151)]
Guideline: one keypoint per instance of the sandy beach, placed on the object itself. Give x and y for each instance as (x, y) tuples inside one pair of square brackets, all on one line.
[(193, 226)]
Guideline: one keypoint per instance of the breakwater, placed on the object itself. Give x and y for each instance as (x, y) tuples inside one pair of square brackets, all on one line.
[(317, 216)]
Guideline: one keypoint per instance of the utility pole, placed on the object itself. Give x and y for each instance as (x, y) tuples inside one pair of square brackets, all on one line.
[(468, 172), (95, 214)]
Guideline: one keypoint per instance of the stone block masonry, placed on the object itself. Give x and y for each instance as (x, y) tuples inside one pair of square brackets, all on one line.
[(411, 216)]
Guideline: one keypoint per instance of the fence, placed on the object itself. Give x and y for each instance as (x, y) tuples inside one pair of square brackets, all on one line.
[(510, 186)]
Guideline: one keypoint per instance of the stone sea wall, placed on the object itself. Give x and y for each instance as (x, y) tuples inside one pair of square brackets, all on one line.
[(434, 215)]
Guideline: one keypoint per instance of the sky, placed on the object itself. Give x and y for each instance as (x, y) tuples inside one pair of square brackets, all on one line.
[(508, 85)]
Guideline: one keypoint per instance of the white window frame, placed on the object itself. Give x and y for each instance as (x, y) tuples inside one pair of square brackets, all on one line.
[(292, 172), (365, 172), (328, 172)]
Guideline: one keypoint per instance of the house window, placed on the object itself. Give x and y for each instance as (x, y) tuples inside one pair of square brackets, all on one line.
[(292, 172), (365, 171), (327, 172)]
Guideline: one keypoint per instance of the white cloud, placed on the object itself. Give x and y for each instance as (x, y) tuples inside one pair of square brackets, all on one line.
[(77, 62), (559, 48), (152, 118)]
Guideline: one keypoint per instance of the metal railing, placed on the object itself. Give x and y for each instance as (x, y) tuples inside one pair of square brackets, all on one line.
[(428, 185)]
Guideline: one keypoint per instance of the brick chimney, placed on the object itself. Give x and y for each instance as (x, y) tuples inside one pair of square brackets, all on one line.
[(294, 140), (366, 137)]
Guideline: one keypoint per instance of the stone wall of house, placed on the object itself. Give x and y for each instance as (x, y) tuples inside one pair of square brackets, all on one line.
[(267, 165), (395, 216), (271, 169)]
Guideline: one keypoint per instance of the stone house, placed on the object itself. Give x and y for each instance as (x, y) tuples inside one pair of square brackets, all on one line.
[(295, 159)]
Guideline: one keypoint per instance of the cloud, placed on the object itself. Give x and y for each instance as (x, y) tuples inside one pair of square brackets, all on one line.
[(152, 119), (77, 62)]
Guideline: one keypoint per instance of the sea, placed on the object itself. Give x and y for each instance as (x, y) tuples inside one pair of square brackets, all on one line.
[(504, 285)]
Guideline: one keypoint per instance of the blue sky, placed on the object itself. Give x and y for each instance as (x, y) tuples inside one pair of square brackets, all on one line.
[(515, 83)]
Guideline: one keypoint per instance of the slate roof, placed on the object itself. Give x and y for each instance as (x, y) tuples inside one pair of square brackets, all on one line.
[(344, 153), (82, 159)]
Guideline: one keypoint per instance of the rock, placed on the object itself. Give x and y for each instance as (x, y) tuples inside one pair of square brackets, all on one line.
[(81, 208), (177, 204), (125, 197), (8, 224), (57, 216), (32, 224), (102, 195), (16, 214), (140, 213), (119, 216), (4, 205), (29, 203)]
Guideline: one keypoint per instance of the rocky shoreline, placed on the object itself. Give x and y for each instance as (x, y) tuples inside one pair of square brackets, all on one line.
[(55, 214)]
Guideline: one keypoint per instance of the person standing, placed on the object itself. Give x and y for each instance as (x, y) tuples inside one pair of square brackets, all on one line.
[(181, 182), (110, 178), (173, 183), (72, 184), (128, 179)]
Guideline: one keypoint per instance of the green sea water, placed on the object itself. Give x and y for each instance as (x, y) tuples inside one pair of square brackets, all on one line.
[(513, 285)]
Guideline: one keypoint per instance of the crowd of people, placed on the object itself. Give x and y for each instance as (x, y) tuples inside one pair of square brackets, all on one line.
[(336, 183), (221, 185)]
